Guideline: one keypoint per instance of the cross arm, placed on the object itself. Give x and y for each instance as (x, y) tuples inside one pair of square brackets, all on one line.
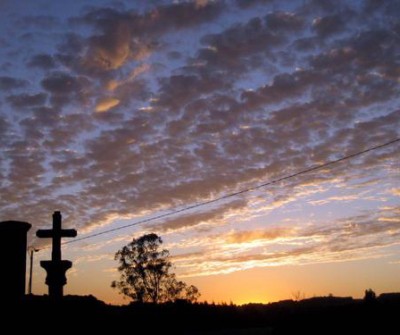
[(44, 233), (68, 232)]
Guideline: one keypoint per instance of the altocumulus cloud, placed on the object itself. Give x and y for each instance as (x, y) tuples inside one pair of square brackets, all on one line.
[(129, 109)]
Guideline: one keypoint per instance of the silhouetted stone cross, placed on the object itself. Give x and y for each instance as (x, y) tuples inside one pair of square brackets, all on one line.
[(56, 268)]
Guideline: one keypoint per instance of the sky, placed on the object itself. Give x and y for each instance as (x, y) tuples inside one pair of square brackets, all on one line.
[(115, 112)]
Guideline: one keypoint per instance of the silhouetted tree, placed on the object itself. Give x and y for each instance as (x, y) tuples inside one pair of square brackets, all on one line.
[(145, 273), (298, 295), (369, 296)]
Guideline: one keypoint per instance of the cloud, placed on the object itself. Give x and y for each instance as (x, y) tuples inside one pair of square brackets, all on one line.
[(60, 83), (284, 21), (3, 126), (111, 50), (249, 3), (112, 85), (359, 237), (395, 191), (254, 235), (233, 48), (212, 98), (106, 104), (42, 61), (182, 15), (328, 25), (341, 199), (202, 3), (130, 36), (190, 220), (93, 258), (27, 100), (10, 83), (67, 89)]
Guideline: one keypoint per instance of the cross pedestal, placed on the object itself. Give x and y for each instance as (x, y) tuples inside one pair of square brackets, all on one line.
[(56, 278), (56, 268)]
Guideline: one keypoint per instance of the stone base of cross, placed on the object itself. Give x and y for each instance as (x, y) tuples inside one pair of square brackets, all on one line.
[(56, 278)]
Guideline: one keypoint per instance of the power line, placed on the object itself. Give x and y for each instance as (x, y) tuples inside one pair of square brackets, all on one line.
[(233, 194)]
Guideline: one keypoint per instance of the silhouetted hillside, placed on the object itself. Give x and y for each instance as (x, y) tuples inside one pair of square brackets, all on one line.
[(320, 315)]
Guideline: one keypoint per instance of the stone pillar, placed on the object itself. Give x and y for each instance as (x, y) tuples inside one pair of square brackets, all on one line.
[(13, 239)]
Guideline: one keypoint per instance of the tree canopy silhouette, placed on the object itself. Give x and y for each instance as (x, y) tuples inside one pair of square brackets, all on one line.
[(145, 273)]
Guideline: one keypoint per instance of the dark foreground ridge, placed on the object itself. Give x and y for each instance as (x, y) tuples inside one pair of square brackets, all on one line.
[(320, 315)]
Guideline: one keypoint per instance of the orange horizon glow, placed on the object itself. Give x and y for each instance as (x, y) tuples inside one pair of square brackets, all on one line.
[(260, 285)]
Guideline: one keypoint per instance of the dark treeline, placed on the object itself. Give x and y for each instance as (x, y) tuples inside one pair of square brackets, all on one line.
[(320, 315)]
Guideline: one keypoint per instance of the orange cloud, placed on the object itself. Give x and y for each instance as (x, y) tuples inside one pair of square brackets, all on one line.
[(114, 84), (106, 104), (395, 191), (248, 236)]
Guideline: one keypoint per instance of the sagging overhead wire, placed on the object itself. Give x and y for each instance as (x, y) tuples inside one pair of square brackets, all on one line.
[(233, 194)]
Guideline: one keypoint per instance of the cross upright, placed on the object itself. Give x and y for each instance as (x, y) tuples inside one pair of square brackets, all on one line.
[(56, 234), (56, 267)]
